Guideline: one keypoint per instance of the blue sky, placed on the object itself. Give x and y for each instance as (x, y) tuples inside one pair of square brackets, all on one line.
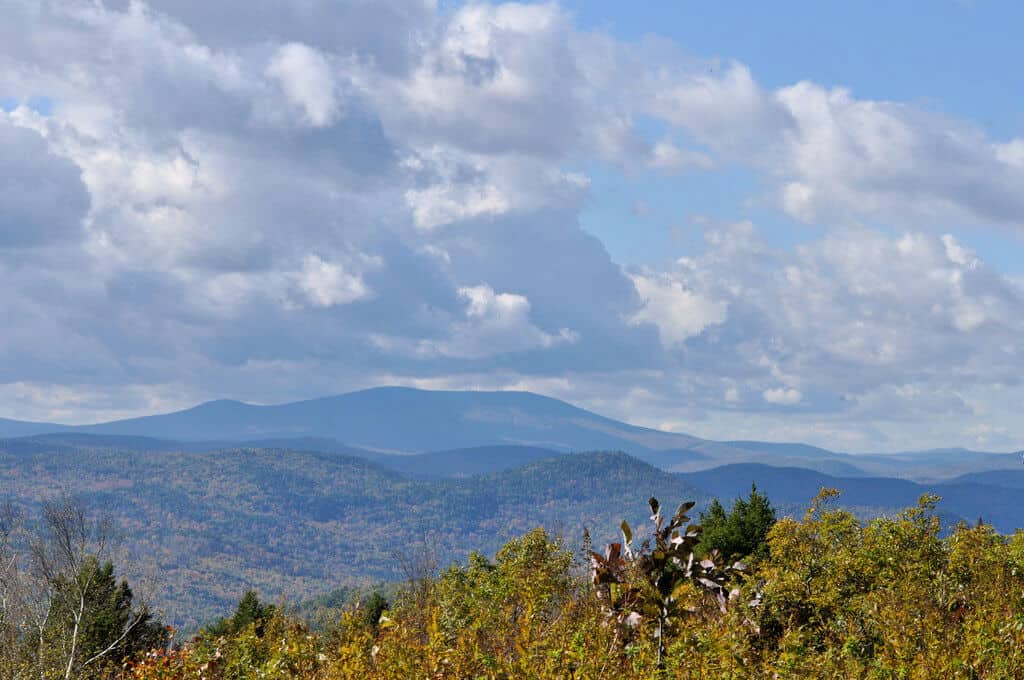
[(953, 57), (784, 221), (956, 56)]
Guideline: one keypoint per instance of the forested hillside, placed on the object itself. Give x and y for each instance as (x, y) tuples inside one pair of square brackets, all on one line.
[(205, 525), (209, 525)]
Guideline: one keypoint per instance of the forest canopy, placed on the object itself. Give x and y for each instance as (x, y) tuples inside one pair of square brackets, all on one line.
[(823, 595)]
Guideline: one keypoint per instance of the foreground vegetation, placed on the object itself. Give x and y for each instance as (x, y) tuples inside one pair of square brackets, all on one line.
[(821, 596)]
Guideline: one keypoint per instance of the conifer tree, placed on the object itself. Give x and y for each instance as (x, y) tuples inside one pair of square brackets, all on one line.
[(741, 532)]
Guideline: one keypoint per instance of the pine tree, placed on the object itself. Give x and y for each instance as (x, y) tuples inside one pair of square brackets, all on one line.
[(740, 533), (250, 611)]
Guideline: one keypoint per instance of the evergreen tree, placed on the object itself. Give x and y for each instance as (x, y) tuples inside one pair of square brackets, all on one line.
[(250, 611), (741, 532)]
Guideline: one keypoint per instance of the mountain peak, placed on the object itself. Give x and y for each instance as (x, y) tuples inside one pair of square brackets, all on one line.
[(402, 420)]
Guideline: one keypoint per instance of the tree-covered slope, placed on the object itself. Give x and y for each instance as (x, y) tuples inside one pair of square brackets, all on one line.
[(475, 460), (208, 525), (1009, 479)]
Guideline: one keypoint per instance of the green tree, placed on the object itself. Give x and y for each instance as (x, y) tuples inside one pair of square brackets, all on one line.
[(63, 612), (110, 628), (741, 532), (249, 612)]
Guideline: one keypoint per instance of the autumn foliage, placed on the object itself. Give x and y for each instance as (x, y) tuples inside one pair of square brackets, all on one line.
[(826, 596), (831, 597)]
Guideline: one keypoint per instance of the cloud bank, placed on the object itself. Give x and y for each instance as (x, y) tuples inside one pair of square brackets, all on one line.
[(270, 201)]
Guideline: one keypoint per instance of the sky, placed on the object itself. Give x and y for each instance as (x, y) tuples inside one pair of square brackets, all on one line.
[(792, 221)]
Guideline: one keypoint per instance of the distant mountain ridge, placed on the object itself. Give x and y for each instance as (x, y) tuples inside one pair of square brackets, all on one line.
[(400, 420), (392, 419), (24, 428)]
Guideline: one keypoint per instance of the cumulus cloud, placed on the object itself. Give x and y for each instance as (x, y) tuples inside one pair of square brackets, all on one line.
[(280, 200), (387, 33), (850, 319), (307, 82), (890, 160), (726, 109), (493, 81), (450, 187), (327, 283), (677, 312), (492, 324), (832, 155)]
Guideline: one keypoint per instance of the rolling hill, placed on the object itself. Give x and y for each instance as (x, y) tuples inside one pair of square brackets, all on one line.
[(1008, 479), (477, 460), (429, 465), (205, 526), (210, 520)]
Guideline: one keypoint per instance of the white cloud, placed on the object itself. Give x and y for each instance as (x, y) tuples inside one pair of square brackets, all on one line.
[(315, 283), (328, 283), (493, 81), (452, 187), (890, 160), (856, 323), (442, 204), (305, 77), (678, 313), (493, 323), (724, 108), (834, 156)]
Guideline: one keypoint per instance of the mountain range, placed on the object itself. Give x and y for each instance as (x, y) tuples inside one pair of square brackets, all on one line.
[(399, 421), (298, 499)]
